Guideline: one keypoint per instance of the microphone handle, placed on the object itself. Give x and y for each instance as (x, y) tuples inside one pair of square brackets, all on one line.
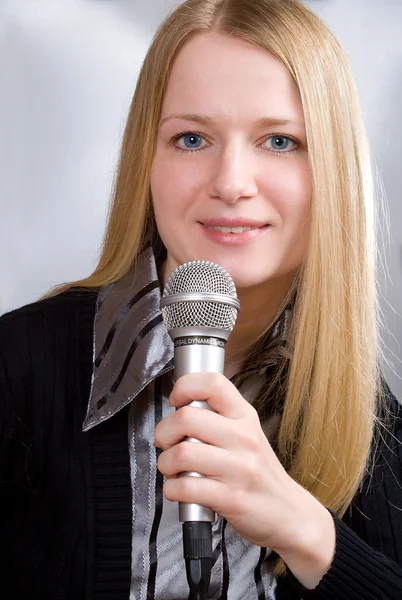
[(188, 511), (197, 533), (196, 353)]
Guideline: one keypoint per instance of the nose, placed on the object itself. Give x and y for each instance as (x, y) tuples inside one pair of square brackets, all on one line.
[(233, 175)]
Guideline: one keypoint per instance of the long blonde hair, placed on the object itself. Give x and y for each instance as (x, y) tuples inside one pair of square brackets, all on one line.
[(329, 411)]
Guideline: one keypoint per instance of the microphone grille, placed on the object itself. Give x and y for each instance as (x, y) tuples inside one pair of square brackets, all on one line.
[(200, 276)]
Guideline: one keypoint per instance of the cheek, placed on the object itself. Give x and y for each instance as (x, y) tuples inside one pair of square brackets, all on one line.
[(174, 185), (161, 192), (294, 193), (297, 215), (157, 180)]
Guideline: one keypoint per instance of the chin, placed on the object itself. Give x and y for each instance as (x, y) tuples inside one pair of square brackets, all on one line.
[(246, 277), (244, 281), (250, 277), (245, 271)]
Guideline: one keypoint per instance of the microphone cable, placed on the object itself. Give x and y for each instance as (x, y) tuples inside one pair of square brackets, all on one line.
[(197, 551)]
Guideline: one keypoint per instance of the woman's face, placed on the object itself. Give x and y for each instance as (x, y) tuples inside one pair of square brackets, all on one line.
[(230, 178)]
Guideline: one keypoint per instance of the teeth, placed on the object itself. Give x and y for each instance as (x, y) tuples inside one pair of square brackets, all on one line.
[(232, 229)]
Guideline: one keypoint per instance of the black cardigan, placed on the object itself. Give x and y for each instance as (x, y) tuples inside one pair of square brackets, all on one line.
[(65, 495)]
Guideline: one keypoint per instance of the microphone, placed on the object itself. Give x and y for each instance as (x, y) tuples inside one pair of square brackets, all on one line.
[(199, 308)]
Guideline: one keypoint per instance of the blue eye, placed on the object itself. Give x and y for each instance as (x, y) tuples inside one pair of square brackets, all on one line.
[(191, 140), (280, 142)]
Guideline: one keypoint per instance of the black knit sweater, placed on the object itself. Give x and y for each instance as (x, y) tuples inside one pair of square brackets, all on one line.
[(65, 495)]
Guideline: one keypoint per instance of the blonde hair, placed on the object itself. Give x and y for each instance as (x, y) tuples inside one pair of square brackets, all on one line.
[(329, 411)]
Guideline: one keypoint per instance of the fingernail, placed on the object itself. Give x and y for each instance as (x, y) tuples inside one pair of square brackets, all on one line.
[(155, 444)]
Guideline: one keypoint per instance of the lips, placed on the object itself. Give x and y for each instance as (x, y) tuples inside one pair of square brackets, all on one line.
[(230, 224), (230, 232), (231, 229)]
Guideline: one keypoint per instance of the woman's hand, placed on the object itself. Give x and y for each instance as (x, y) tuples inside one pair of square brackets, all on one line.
[(244, 481)]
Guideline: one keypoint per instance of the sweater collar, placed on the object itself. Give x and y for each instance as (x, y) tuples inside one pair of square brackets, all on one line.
[(131, 346)]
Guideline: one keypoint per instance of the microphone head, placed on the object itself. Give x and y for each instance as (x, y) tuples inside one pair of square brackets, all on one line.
[(200, 294)]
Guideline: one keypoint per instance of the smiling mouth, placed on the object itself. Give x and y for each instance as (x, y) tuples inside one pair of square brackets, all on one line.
[(235, 229)]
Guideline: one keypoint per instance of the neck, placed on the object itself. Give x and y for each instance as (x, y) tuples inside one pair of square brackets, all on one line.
[(258, 308)]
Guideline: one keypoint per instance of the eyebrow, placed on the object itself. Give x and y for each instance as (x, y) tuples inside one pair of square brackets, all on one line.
[(204, 120)]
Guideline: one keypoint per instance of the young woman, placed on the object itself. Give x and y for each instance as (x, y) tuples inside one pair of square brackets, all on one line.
[(244, 146)]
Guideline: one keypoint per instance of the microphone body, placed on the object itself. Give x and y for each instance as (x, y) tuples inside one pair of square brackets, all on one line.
[(197, 351), (199, 308)]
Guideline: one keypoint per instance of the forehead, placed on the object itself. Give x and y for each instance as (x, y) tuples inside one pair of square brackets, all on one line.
[(219, 74)]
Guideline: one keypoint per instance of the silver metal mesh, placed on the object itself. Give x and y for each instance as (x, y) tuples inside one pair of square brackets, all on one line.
[(207, 278)]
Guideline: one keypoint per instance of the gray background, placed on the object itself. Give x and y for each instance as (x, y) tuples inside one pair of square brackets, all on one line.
[(68, 70)]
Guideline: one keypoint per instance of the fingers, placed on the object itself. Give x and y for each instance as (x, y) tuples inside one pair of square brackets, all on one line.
[(190, 456), (220, 393), (235, 451), (234, 417), (203, 491), (197, 423)]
